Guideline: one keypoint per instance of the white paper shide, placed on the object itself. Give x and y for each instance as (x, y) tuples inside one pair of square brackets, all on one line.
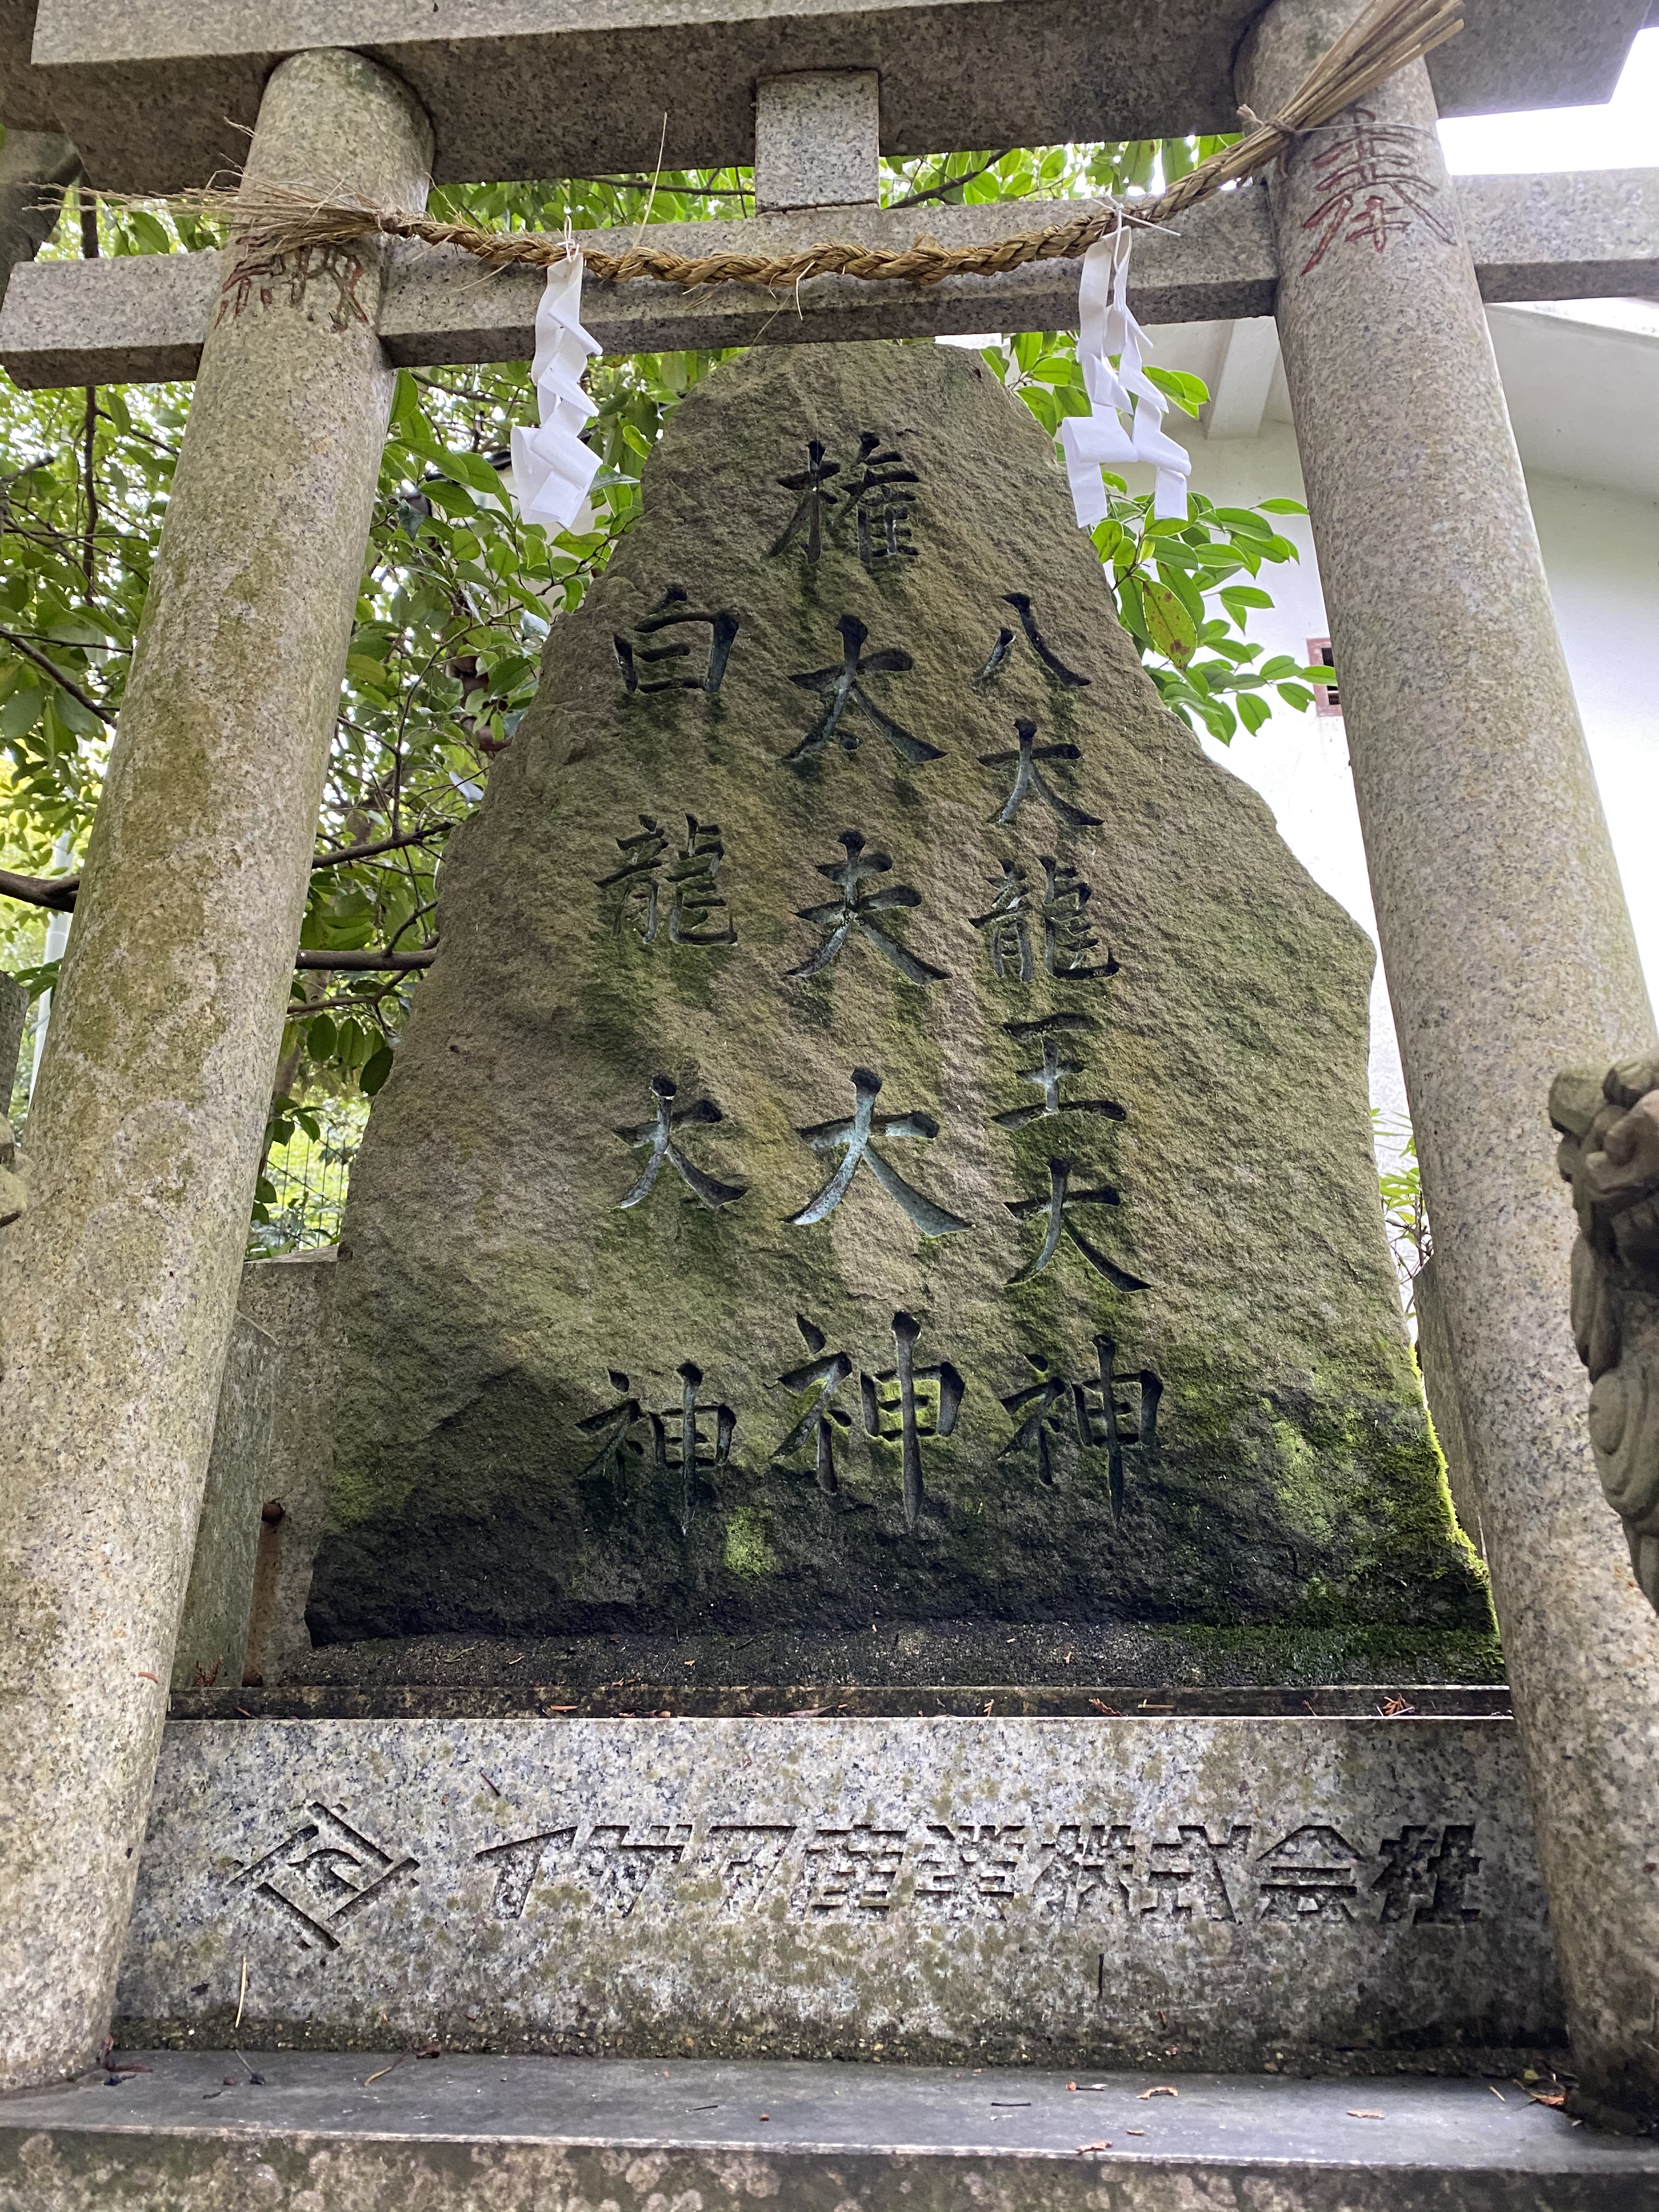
[(552, 469), (1102, 439)]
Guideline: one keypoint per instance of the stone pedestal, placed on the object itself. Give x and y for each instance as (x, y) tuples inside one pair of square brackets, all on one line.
[(1508, 948), (1116, 1889), (118, 1286)]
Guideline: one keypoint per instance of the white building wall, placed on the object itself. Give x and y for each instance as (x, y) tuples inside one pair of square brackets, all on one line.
[(1601, 551)]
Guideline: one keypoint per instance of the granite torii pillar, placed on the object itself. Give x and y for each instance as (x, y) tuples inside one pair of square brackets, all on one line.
[(1509, 951), (117, 1287)]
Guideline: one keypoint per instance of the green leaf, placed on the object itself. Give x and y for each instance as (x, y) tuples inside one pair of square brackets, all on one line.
[(1238, 597), (1253, 712), (1188, 392), (1132, 611), (1296, 695), (1172, 629), (1281, 506), (474, 471), (37, 981), (22, 711), (1244, 519), (376, 1071), (1187, 592)]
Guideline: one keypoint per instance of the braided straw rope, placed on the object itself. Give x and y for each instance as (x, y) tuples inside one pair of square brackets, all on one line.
[(1384, 39)]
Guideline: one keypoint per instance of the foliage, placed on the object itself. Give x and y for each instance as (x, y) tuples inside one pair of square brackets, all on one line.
[(1177, 583), (302, 1186), (1403, 1213), (458, 593)]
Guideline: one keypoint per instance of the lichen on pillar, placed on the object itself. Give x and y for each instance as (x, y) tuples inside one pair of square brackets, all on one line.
[(118, 1285), (1507, 945)]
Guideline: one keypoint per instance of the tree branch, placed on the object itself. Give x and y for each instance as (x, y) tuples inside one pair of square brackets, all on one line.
[(346, 853), (55, 891), (366, 963), (950, 184), (59, 892), (58, 677)]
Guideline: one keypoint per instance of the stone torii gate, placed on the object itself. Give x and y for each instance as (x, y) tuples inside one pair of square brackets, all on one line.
[(1508, 948)]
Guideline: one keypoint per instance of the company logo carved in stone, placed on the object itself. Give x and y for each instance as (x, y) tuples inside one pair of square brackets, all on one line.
[(321, 1875)]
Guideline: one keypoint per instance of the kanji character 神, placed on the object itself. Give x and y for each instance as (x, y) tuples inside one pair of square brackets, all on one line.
[(1091, 1409), (677, 1445)]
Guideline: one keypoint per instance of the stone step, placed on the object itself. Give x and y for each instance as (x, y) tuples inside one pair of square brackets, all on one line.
[(289, 2131), (1188, 1890)]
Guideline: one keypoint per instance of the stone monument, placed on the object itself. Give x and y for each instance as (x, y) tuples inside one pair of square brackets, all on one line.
[(885, 1135)]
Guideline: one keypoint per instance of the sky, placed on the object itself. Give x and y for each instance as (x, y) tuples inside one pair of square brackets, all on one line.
[(1622, 134)]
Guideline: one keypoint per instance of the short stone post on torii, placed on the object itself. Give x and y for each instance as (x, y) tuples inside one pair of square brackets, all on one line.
[(1509, 951), (118, 1286)]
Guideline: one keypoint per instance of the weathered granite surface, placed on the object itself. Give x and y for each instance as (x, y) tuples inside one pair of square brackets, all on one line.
[(1195, 1891), (117, 1287), (1507, 945), (817, 139), (1610, 1155), (292, 1300), (476, 2134), (156, 96), (767, 838), (219, 1599), (14, 1013)]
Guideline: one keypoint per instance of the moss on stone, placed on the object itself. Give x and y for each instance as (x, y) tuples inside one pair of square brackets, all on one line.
[(515, 1338)]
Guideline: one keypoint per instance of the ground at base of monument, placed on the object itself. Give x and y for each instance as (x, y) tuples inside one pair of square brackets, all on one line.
[(211, 2130), (1056, 1654)]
